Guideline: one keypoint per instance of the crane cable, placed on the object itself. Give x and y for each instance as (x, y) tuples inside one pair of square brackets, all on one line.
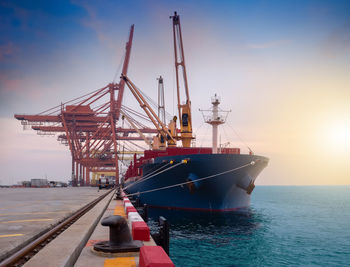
[(153, 103), (119, 67), (77, 98), (188, 182), (123, 141), (239, 137)]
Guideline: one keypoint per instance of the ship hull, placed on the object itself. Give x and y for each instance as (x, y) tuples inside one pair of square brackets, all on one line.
[(229, 188)]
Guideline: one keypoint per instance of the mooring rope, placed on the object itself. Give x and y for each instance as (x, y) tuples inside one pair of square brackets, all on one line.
[(149, 177), (200, 179)]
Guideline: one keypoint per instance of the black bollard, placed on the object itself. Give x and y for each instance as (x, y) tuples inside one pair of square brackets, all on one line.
[(145, 213), (119, 237), (164, 231), (118, 194), (162, 238)]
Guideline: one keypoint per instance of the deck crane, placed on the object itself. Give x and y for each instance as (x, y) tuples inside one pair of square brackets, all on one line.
[(165, 135), (185, 115), (132, 124)]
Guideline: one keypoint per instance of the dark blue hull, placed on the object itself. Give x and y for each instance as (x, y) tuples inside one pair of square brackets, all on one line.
[(227, 184)]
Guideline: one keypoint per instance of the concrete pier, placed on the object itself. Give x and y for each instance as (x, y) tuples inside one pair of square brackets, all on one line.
[(65, 249), (26, 213), (74, 246)]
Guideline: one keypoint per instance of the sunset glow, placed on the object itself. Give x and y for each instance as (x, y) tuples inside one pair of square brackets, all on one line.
[(339, 135), (282, 67)]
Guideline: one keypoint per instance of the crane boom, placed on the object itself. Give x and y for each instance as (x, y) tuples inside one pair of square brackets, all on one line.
[(124, 71), (136, 129), (161, 127), (185, 115)]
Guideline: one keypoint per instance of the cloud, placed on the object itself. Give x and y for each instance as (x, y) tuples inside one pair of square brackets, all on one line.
[(8, 84), (15, 13), (268, 44), (7, 50), (12, 86), (338, 41), (94, 23)]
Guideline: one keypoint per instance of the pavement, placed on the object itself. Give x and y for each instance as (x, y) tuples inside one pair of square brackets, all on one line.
[(74, 246), (101, 233), (65, 248), (26, 213)]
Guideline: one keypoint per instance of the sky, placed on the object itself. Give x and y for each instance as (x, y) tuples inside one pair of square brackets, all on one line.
[(281, 67)]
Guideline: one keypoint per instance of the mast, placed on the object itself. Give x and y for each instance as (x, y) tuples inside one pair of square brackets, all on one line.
[(185, 116), (161, 102), (215, 122), (215, 119)]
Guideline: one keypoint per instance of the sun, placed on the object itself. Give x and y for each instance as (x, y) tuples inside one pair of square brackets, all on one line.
[(339, 135)]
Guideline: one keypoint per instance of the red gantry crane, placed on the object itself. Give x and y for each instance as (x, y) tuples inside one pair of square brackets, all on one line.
[(88, 126)]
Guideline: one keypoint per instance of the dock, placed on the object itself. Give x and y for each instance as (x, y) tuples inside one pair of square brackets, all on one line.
[(74, 244)]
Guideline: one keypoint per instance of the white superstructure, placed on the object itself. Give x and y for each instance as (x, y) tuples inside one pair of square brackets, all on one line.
[(215, 117)]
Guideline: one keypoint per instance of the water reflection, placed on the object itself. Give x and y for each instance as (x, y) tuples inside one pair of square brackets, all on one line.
[(246, 220), (196, 237), (209, 226)]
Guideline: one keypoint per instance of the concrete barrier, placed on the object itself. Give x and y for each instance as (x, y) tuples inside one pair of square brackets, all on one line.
[(154, 256), (140, 231)]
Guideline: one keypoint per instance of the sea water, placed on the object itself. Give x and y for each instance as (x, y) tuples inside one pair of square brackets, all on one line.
[(285, 226)]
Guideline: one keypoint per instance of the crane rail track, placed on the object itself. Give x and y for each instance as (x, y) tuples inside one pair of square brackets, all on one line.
[(23, 255)]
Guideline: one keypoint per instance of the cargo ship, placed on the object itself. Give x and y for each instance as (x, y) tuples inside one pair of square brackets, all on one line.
[(187, 177)]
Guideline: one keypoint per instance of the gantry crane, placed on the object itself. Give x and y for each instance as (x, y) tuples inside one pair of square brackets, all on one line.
[(88, 127), (88, 124)]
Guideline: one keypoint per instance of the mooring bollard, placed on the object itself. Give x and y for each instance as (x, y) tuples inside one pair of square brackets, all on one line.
[(145, 213), (119, 237), (118, 194), (162, 238)]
